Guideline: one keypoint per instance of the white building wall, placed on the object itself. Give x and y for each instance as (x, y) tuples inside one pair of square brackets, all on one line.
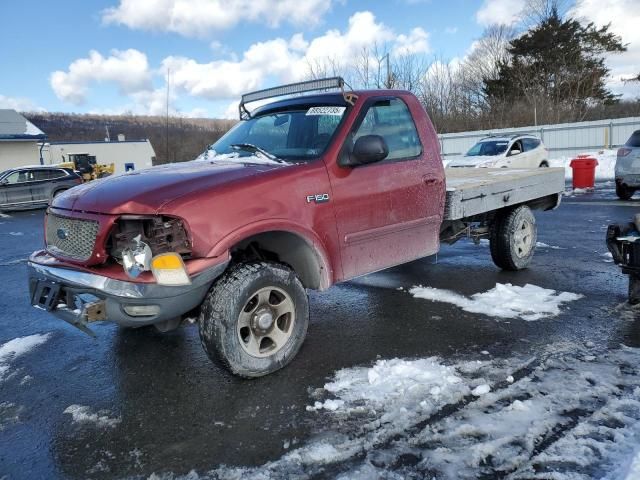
[(138, 153), (18, 154), (562, 140)]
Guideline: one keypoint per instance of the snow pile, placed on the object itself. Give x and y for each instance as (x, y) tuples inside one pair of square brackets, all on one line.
[(504, 300), (604, 171), (16, 348), (397, 382), (83, 414)]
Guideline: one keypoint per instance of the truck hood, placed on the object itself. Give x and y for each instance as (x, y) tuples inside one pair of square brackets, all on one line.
[(476, 161), (146, 191)]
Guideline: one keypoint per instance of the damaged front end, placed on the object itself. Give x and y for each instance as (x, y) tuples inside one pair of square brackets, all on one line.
[(151, 244), (135, 273)]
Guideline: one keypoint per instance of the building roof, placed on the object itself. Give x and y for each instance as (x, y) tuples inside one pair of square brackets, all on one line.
[(14, 126)]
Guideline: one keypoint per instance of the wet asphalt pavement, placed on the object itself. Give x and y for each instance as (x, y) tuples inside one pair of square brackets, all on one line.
[(175, 411)]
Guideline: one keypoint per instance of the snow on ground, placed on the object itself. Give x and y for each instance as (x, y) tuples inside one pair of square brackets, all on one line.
[(17, 347), (571, 412), (504, 300), (485, 243), (83, 414), (604, 171)]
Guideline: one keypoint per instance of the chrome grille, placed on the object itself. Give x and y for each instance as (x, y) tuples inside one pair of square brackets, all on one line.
[(71, 237)]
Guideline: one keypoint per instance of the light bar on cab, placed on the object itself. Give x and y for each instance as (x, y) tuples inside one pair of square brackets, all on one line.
[(291, 89)]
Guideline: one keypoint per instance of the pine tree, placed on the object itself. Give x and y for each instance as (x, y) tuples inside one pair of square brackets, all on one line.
[(557, 65)]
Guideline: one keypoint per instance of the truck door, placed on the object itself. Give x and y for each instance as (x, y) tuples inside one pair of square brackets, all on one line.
[(388, 212)]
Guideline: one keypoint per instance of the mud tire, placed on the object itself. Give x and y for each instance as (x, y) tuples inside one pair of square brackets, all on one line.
[(221, 309), (507, 252)]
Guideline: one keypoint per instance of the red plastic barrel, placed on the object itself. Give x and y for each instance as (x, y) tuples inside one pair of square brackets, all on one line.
[(584, 171)]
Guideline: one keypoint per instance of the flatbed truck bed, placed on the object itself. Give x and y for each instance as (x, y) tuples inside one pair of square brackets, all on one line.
[(477, 191)]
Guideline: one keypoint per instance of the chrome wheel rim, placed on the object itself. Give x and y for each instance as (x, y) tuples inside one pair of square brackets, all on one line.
[(266, 322), (523, 239)]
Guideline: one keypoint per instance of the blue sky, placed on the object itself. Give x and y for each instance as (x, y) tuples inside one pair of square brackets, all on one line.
[(110, 56)]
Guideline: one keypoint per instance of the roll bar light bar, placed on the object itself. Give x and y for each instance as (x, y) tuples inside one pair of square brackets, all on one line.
[(292, 89)]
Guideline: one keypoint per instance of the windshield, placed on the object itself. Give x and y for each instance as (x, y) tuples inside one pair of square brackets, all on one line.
[(488, 148), (293, 136)]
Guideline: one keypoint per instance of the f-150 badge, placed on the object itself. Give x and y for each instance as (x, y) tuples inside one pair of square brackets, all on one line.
[(318, 198)]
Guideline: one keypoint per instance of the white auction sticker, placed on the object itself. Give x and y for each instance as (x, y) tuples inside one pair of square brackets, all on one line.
[(335, 111)]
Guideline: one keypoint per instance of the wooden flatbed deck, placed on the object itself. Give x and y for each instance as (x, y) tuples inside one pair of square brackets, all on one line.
[(474, 191)]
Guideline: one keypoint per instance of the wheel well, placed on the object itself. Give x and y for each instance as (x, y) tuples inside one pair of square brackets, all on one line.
[(544, 163), (287, 248)]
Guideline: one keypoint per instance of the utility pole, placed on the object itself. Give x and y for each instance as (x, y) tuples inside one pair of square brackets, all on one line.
[(167, 122)]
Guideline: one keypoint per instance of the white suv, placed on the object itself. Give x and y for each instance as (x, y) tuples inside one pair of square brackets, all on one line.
[(517, 151)]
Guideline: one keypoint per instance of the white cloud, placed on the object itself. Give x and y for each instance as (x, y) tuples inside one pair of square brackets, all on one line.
[(277, 60), (203, 17), (20, 104), (416, 42), (128, 69), (500, 12), (451, 30), (624, 17)]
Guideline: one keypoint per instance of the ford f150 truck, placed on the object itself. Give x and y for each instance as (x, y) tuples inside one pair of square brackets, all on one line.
[(304, 192)]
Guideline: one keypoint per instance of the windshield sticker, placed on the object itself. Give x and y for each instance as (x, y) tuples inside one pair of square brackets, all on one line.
[(334, 111)]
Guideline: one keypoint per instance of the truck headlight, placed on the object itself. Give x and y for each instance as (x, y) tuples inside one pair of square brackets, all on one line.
[(136, 258), (169, 269)]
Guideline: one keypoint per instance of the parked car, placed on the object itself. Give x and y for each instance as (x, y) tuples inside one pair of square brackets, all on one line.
[(34, 187), (628, 167), (517, 151)]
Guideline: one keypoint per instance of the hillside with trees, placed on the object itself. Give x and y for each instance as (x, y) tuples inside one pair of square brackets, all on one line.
[(186, 139)]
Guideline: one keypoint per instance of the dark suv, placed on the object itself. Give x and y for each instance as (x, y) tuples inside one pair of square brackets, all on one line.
[(33, 187)]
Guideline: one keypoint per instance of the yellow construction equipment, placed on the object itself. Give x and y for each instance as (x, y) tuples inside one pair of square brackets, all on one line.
[(87, 167)]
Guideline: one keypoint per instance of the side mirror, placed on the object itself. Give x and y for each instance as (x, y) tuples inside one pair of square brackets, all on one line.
[(4, 181), (515, 152), (368, 149)]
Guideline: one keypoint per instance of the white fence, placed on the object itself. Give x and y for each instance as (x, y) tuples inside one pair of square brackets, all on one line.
[(562, 140)]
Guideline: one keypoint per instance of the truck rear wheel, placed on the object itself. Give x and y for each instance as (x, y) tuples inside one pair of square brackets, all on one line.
[(513, 238), (254, 319)]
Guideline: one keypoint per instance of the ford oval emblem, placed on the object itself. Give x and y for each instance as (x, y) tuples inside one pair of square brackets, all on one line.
[(62, 234)]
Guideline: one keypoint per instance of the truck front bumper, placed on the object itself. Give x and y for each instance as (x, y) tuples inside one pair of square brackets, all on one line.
[(80, 298)]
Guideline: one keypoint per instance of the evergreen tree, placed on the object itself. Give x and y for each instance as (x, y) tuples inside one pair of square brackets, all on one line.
[(558, 66)]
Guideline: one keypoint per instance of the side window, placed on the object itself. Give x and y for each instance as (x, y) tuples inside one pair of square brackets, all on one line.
[(392, 120), (530, 144), (517, 145), (15, 177), (39, 175), (54, 173)]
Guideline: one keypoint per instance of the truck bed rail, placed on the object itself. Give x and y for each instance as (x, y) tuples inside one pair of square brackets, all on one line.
[(475, 191)]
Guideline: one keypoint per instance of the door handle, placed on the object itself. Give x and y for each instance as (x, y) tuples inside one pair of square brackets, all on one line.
[(430, 180)]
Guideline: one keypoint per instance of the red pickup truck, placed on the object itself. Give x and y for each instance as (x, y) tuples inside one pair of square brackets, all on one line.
[(305, 192)]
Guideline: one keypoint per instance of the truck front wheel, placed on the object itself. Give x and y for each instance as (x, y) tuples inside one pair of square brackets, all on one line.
[(513, 238), (254, 319)]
